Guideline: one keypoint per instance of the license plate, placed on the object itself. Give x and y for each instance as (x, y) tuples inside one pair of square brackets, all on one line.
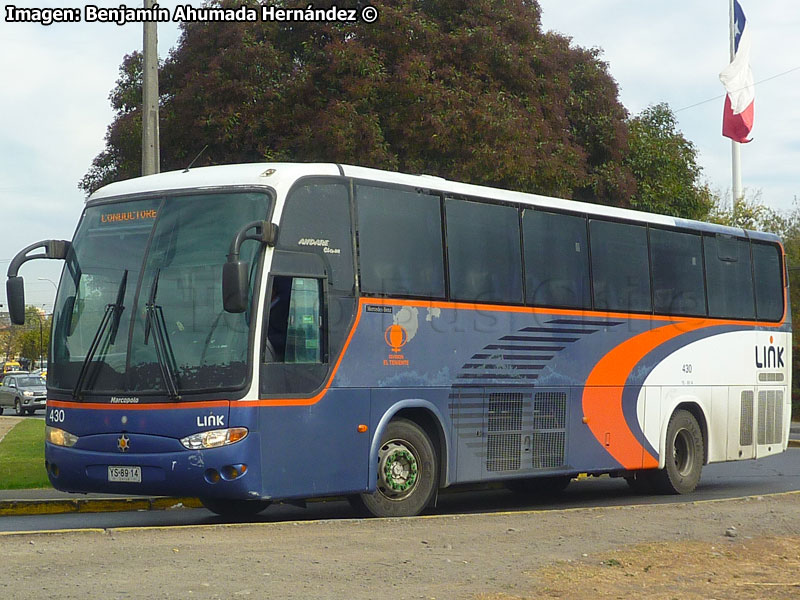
[(125, 474)]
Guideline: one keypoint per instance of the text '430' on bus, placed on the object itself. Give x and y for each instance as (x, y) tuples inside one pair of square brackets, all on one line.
[(251, 333)]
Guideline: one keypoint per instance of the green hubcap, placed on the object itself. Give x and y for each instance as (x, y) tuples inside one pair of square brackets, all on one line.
[(399, 470)]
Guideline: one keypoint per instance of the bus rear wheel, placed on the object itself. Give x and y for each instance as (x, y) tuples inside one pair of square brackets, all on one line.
[(685, 455), (407, 473), (235, 508)]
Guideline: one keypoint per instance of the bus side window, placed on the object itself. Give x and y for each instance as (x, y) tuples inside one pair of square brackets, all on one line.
[(294, 333)]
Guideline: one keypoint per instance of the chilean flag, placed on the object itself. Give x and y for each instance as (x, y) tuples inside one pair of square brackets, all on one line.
[(737, 117)]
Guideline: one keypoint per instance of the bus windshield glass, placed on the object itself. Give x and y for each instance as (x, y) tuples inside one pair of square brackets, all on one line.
[(139, 308)]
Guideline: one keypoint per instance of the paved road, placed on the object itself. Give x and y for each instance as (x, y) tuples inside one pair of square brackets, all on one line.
[(774, 474)]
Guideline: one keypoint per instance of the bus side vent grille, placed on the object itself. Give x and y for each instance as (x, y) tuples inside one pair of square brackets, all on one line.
[(549, 429), (549, 449), (505, 412), (770, 417), (746, 420), (504, 440), (549, 410), (770, 377), (503, 452)]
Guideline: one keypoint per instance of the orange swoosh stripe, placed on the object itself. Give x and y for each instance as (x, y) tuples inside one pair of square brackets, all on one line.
[(602, 394)]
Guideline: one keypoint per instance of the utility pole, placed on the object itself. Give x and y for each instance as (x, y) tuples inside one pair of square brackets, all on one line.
[(41, 342), (151, 153)]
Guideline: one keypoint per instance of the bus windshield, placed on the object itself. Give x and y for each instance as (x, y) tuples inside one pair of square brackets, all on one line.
[(139, 308)]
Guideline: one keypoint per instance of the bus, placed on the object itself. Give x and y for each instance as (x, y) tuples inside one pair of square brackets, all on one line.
[(255, 333)]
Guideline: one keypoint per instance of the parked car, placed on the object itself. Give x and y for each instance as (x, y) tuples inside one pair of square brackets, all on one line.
[(26, 392)]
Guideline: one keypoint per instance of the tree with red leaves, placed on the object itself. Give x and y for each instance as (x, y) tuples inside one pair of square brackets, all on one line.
[(470, 90)]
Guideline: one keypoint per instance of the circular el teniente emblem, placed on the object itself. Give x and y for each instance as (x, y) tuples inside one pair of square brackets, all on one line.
[(396, 337)]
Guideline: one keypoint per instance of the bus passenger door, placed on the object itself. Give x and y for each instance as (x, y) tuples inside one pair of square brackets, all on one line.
[(295, 357), (311, 442)]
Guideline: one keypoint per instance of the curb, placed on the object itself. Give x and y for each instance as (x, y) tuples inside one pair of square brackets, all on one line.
[(53, 507)]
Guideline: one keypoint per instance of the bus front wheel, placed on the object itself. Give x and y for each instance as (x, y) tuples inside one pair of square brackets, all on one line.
[(407, 473), (685, 455)]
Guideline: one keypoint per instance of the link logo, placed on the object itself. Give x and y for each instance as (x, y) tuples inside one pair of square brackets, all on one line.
[(769, 357)]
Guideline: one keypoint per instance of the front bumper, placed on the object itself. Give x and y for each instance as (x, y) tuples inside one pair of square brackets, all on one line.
[(34, 402), (174, 472)]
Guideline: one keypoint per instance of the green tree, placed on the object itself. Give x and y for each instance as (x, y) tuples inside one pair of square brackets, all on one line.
[(749, 212), (25, 341), (665, 166), (8, 342), (33, 343), (469, 90)]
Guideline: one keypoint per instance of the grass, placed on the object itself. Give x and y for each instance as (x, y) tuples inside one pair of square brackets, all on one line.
[(22, 457)]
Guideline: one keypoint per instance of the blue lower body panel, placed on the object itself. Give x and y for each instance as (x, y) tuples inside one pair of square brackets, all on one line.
[(174, 473)]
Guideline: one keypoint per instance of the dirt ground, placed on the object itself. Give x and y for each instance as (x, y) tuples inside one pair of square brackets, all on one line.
[(755, 569), (747, 548)]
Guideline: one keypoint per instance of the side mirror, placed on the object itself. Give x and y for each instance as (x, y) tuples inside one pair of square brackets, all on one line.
[(15, 287), (15, 293), (235, 283), (235, 280)]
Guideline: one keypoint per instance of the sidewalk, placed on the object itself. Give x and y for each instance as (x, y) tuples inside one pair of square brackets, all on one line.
[(50, 501)]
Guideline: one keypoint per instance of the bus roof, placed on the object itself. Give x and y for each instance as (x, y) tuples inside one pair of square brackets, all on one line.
[(281, 176)]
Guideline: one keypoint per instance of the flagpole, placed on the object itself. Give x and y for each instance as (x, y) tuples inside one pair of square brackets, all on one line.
[(736, 147)]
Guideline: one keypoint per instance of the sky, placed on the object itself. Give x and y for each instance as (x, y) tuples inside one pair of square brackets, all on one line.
[(56, 79)]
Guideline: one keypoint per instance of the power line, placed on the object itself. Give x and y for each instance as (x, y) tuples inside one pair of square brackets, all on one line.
[(723, 95)]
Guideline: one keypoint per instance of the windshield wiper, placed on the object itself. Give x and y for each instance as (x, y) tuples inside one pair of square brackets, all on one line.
[(111, 315), (166, 357)]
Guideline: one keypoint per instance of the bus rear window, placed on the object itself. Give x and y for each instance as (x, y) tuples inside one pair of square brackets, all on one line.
[(620, 269), (729, 277), (483, 252), (556, 259), (677, 263), (768, 280)]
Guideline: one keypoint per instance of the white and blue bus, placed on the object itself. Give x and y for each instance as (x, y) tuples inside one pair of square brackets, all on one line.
[(264, 332)]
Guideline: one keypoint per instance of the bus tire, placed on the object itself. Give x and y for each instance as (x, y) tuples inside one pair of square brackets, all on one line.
[(407, 473), (685, 456), (234, 508)]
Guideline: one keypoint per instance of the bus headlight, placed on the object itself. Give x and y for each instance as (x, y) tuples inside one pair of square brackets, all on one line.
[(59, 437), (214, 438)]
